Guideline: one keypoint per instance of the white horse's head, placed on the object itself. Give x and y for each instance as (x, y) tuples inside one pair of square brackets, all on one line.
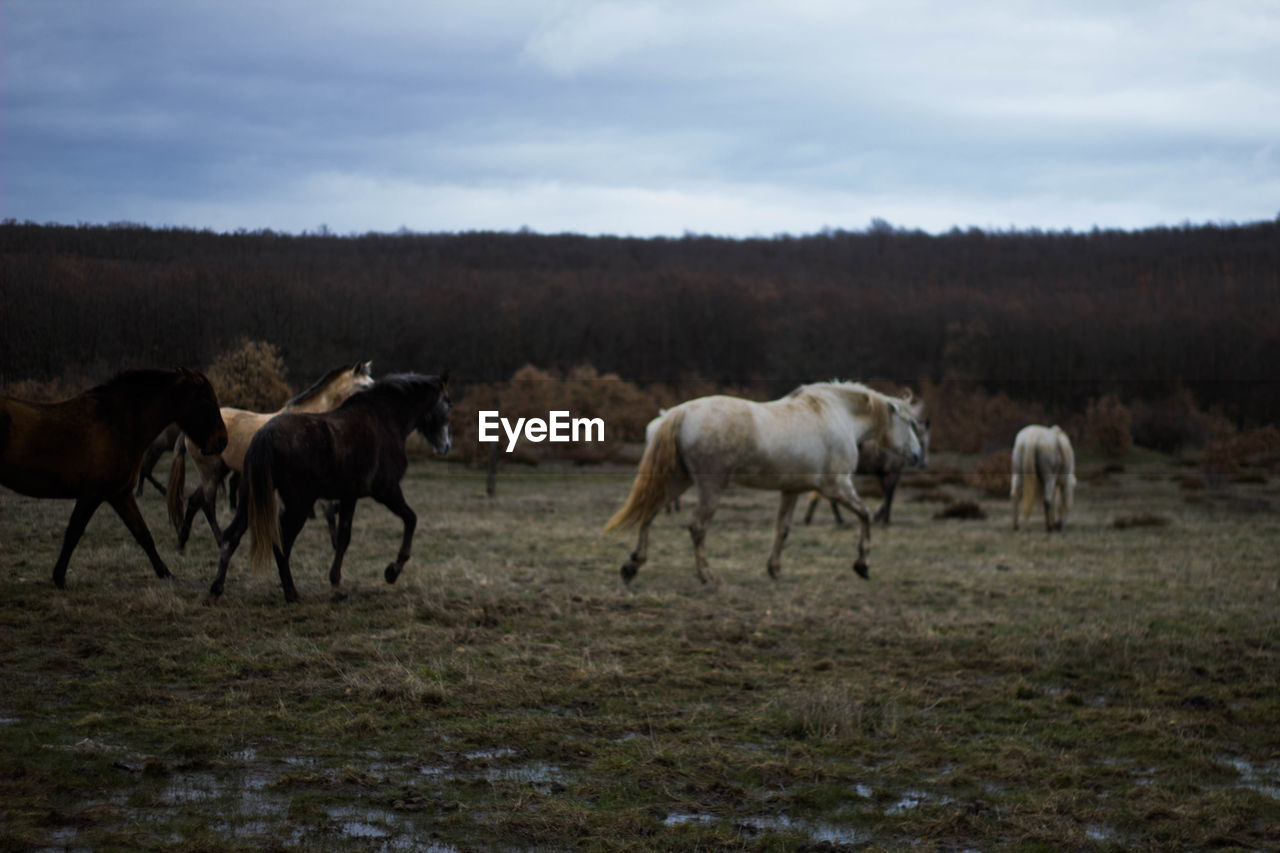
[(908, 432)]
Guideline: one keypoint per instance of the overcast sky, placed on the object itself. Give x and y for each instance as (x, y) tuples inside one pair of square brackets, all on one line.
[(721, 117)]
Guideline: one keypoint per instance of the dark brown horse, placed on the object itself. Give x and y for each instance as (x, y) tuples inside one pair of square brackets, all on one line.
[(89, 448), (885, 465), (355, 451)]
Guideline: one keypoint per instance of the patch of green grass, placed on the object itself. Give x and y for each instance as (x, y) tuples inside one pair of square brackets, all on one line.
[(1103, 688)]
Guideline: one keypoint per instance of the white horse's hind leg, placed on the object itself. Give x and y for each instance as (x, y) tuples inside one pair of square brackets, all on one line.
[(1048, 487), (641, 554), (709, 492), (1050, 505), (1060, 504), (781, 529), (1015, 492)]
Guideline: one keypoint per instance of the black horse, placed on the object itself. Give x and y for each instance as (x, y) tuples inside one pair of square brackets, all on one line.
[(89, 448), (356, 450)]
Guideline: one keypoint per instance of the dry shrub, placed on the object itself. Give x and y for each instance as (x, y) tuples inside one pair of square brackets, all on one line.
[(1108, 425), (532, 392), (1218, 463), (992, 475), (967, 419), (1170, 424), (1141, 519), (1251, 444), (250, 376), (962, 510), (35, 391)]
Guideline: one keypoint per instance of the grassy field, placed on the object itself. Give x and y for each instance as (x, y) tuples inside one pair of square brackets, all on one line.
[(1114, 687)]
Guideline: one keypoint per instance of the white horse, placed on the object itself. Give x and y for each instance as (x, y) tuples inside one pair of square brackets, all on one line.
[(1044, 468), (807, 440), (651, 429)]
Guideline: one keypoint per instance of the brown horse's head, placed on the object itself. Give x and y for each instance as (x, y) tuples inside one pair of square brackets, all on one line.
[(199, 417)]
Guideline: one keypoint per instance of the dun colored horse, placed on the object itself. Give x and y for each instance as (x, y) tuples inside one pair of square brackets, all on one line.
[(328, 392), (807, 440), (1044, 469), (89, 448), (357, 450), (159, 446)]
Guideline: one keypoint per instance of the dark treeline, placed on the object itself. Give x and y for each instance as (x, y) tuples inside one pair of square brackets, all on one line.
[(1057, 318)]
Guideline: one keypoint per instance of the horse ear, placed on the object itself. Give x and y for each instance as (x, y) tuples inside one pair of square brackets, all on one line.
[(366, 367), (444, 379)]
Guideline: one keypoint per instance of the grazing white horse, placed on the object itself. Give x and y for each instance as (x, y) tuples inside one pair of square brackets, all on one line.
[(1044, 468), (807, 440)]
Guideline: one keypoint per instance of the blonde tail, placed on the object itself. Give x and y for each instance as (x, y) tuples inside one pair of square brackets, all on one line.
[(1032, 488), (652, 486)]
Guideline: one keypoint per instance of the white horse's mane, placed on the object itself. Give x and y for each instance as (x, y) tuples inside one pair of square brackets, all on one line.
[(913, 405)]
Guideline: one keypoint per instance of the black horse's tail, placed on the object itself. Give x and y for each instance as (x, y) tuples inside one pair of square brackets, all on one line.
[(177, 482), (264, 526)]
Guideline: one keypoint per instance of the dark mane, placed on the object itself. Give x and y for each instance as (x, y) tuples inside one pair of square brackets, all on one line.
[(393, 386), (401, 384), (135, 380), (320, 384)]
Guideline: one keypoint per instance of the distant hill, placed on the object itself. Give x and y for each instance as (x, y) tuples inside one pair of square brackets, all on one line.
[(1052, 317)]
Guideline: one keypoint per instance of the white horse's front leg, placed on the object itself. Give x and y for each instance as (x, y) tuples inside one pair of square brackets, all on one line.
[(781, 529), (843, 493)]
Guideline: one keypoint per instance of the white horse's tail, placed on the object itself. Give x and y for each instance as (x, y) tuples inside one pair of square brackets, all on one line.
[(652, 486), (1025, 462)]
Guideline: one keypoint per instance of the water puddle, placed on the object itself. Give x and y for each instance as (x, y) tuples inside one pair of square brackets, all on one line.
[(819, 832), (489, 754), (362, 823), (544, 778), (913, 800), (1265, 780), (1100, 832)]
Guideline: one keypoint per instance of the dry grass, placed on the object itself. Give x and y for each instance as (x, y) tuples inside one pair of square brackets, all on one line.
[(1104, 688)]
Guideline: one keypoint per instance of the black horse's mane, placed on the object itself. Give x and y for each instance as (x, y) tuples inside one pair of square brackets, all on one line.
[(402, 384), (319, 384), (142, 380)]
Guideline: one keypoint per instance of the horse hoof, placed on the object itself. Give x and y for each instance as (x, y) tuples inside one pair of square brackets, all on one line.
[(860, 567), (773, 571), (209, 600), (291, 597), (392, 572), (629, 571)]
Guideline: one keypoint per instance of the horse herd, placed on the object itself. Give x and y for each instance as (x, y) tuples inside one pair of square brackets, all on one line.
[(344, 438)]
